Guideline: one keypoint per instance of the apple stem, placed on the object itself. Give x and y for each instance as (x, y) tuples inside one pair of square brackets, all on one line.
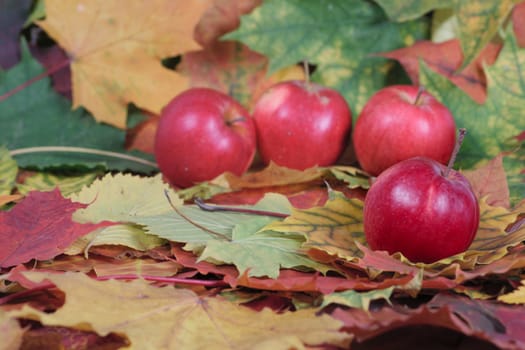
[(420, 91), (185, 217), (208, 207), (306, 71), (461, 136)]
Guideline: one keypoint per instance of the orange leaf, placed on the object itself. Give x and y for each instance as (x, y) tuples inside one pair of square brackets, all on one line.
[(234, 69), (116, 50), (221, 18), (445, 58)]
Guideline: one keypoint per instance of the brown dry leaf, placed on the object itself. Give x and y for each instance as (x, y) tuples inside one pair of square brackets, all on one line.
[(490, 181), (116, 50), (167, 318), (333, 228), (221, 18), (234, 69), (272, 175), (11, 332), (8, 198)]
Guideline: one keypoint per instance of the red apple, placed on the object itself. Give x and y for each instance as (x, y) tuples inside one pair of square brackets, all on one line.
[(201, 134), (421, 209), (400, 122), (301, 124)]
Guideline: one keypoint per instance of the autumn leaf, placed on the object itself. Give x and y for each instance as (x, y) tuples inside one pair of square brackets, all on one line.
[(490, 181), (115, 58), (333, 228), (261, 253), (13, 13), (8, 172), (36, 112), (446, 58), (220, 18), (478, 22), (40, 227), (505, 97), (330, 35), (234, 69), (168, 318)]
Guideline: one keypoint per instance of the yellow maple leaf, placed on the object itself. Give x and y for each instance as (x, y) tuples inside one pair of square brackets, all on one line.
[(333, 228), (168, 318), (116, 48)]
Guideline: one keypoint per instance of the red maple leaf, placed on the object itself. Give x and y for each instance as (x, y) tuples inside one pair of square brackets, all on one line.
[(40, 227)]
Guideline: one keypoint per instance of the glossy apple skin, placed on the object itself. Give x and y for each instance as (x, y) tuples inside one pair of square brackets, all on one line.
[(392, 127), (413, 209), (300, 125), (201, 134)]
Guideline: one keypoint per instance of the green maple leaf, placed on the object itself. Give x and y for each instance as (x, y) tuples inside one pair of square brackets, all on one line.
[(37, 116), (493, 126), (410, 9), (339, 36), (260, 253)]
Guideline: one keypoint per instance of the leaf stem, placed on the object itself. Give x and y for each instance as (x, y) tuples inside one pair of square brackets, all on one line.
[(461, 136), (174, 280), (185, 217), (208, 207), (68, 149), (306, 68), (420, 91), (42, 75)]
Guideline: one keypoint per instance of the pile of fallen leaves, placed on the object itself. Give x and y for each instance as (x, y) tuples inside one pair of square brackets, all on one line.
[(98, 252)]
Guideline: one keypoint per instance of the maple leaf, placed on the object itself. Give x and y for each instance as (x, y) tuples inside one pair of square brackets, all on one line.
[(13, 13), (260, 253), (234, 69), (478, 22), (329, 34), (167, 318), (11, 332), (333, 228), (40, 227), (8, 172), (502, 112), (30, 116), (445, 58), (115, 51)]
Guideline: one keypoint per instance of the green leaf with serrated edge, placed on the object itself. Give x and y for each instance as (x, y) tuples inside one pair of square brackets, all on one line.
[(339, 36), (178, 229), (333, 228), (361, 300), (491, 127), (121, 234), (48, 181), (37, 116), (478, 22), (405, 10), (8, 172), (260, 253)]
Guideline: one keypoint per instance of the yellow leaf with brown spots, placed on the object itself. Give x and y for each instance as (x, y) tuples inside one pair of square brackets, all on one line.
[(168, 318)]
